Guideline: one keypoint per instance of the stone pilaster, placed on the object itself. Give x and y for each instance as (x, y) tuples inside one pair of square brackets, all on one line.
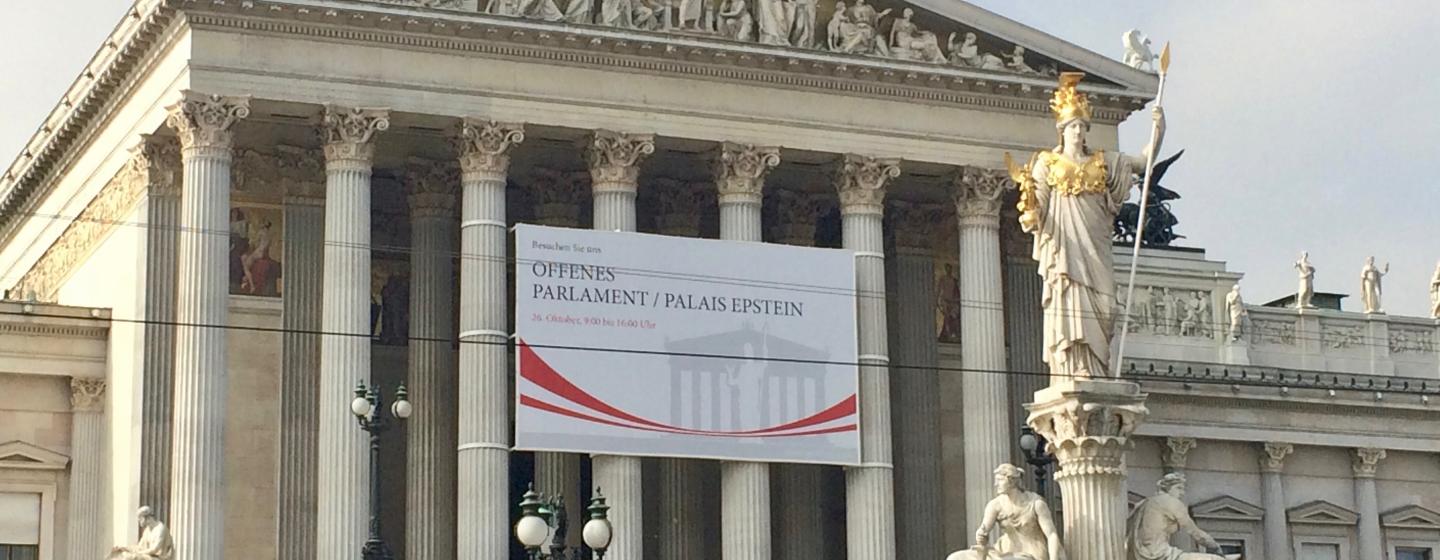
[(204, 124), (156, 164), (1174, 452), (341, 522), (302, 176), (484, 452), (614, 160), (1088, 424), (430, 432), (1272, 498), (915, 390), (739, 172), (986, 431), (869, 487), (88, 536), (1364, 462)]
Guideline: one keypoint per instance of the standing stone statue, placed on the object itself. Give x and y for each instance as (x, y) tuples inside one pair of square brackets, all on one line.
[(1156, 518), (1370, 285), (802, 31), (1068, 200), (1236, 306), (1435, 293), (1027, 531), (1307, 282), (155, 543)]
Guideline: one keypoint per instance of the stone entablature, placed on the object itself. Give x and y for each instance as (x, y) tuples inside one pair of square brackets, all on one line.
[(43, 339)]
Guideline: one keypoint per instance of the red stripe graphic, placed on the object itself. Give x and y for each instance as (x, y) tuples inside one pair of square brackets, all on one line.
[(537, 371)]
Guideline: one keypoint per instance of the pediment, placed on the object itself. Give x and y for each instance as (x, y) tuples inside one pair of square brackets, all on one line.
[(1321, 512), (1411, 517), (22, 455), (1227, 508)]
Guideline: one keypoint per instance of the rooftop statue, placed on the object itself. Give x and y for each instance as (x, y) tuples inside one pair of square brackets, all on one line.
[(1027, 531), (1137, 51), (1160, 222), (1069, 197), (1435, 293), (1307, 282), (1155, 519), (1370, 285), (155, 542)]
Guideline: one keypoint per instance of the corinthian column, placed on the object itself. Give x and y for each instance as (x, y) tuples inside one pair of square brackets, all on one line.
[(744, 487), (986, 430), (197, 484), (302, 175), (1272, 497), (430, 435), (869, 487), (88, 469), (915, 391), (1364, 462), (614, 161), (156, 164), (345, 324), (483, 481)]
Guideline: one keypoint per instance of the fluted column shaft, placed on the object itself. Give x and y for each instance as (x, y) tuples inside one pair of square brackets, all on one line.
[(1365, 461), (1025, 331), (89, 504), (197, 491), (614, 162), (156, 162), (344, 471), (869, 487), (916, 388), (1272, 498), (302, 173), (431, 433), (986, 429)]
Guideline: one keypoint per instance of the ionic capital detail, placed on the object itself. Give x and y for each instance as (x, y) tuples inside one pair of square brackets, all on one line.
[(977, 194), (614, 159), (1365, 460), (484, 148), (302, 175), (432, 187), (740, 171), (913, 224), (204, 122), (1176, 451), (87, 394), (1272, 456), (348, 132), (861, 181)]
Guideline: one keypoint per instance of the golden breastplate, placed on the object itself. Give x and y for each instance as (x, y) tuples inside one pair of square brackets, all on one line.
[(1067, 178)]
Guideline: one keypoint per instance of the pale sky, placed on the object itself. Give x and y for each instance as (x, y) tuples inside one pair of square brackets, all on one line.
[(1307, 125)]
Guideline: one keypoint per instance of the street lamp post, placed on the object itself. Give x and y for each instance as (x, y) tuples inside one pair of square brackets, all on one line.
[(369, 409), (1033, 446), (543, 518)]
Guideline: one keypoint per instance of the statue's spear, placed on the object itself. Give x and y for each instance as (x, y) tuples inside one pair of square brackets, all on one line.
[(1144, 204)]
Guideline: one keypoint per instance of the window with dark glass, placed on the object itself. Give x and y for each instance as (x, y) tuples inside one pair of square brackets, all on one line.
[(1407, 553)]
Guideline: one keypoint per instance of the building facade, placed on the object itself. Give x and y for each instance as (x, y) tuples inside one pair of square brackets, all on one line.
[(241, 208)]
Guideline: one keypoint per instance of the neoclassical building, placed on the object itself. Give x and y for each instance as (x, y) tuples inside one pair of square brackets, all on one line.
[(241, 208)]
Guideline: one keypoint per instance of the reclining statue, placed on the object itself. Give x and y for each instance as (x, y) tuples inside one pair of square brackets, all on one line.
[(1027, 531), (155, 543)]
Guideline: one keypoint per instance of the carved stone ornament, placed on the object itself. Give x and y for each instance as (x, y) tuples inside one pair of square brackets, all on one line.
[(614, 159), (155, 164), (1272, 456), (1176, 451), (913, 224), (205, 121), (978, 192), (484, 147), (432, 187), (556, 195), (680, 205), (302, 174), (797, 213), (1088, 424), (861, 181), (347, 132), (740, 171), (1365, 460), (87, 394)]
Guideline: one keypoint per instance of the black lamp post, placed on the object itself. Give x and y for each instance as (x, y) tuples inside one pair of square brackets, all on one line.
[(543, 518), (369, 409), (1033, 446)]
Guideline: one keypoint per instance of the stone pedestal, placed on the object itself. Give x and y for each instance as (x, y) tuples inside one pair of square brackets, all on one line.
[(1088, 424)]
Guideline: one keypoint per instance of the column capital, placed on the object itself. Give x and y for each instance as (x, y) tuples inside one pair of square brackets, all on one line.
[(155, 163), (432, 187), (556, 195), (977, 193), (204, 121), (1176, 452), (1273, 454), (1088, 424), (740, 171), (1365, 460), (87, 394), (798, 213), (861, 181), (302, 174), (348, 131), (614, 158), (679, 205), (913, 224), (484, 146)]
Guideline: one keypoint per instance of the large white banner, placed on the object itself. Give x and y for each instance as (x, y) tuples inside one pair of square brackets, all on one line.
[(635, 344)]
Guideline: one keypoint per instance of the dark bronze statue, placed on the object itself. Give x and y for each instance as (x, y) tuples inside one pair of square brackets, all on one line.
[(1159, 220)]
